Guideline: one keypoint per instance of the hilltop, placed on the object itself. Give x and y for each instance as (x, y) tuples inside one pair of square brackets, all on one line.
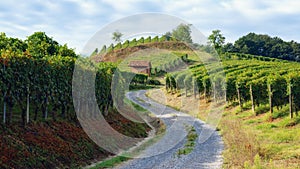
[(120, 54)]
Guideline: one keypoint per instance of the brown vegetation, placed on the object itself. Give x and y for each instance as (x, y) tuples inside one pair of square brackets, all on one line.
[(120, 54), (58, 144)]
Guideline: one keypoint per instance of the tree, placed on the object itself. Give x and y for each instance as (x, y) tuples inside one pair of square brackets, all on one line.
[(41, 45), (228, 47), (110, 48), (117, 36), (168, 36), (254, 44), (103, 50), (264, 45), (95, 52), (64, 51), (3, 40), (216, 39), (14, 45), (125, 44), (183, 33)]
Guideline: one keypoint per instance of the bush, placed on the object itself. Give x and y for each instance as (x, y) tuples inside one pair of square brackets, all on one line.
[(139, 79), (147, 40), (281, 113), (153, 82)]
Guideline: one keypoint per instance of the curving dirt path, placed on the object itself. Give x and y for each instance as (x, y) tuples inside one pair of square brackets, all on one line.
[(163, 154)]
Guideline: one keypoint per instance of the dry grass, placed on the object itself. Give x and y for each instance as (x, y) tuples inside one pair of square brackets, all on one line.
[(250, 141), (276, 144), (241, 145)]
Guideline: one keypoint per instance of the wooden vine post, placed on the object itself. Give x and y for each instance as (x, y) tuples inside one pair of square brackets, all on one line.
[(290, 100), (270, 98), (252, 100), (239, 97)]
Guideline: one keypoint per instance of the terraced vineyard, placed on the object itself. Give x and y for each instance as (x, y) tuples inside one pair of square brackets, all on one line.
[(273, 82)]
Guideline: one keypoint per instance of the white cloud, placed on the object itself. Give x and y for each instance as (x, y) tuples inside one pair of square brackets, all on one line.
[(88, 7), (11, 26), (75, 21), (122, 5), (260, 10)]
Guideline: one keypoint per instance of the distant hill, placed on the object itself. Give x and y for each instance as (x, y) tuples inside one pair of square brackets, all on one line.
[(119, 54)]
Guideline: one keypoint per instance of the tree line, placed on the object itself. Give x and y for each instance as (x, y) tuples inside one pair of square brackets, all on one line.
[(257, 44)]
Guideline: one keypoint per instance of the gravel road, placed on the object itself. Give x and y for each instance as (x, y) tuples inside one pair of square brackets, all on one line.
[(163, 153)]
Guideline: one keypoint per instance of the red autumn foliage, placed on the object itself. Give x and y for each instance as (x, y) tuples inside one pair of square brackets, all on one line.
[(47, 145), (58, 144)]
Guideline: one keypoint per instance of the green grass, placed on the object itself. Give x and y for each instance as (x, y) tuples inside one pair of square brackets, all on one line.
[(252, 121), (281, 113), (262, 109), (266, 126), (111, 162), (136, 106), (156, 59), (160, 57), (141, 87), (190, 143), (243, 114), (276, 139), (196, 57)]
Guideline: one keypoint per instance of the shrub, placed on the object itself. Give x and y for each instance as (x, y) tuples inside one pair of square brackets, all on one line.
[(153, 82)]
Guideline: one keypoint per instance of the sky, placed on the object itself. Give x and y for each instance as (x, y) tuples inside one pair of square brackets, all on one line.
[(75, 22)]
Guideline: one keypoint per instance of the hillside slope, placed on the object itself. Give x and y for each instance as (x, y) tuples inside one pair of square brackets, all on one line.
[(58, 144), (120, 54), (261, 123)]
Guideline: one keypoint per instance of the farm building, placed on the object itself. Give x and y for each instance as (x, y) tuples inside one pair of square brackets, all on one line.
[(140, 66)]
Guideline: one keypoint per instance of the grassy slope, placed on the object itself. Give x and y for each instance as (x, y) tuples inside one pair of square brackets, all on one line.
[(155, 57), (276, 142), (253, 141), (121, 54)]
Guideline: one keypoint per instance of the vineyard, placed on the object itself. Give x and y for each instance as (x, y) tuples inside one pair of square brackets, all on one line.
[(38, 118), (42, 103), (117, 53), (248, 78), (260, 123), (132, 43), (43, 88)]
